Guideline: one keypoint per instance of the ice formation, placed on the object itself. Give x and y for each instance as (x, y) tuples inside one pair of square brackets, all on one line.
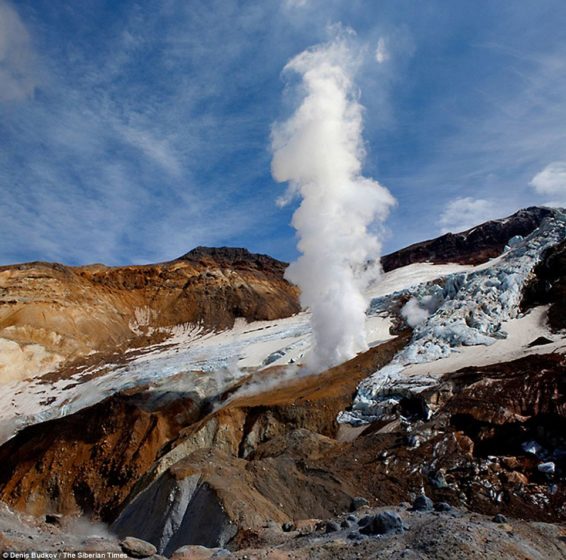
[(468, 310)]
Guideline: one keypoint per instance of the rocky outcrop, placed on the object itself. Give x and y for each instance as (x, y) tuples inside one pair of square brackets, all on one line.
[(474, 246), (180, 510), (89, 461), (51, 314), (548, 287), (102, 457)]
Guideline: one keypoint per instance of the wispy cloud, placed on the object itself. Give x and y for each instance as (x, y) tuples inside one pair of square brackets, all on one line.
[(381, 52), (154, 148), (131, 132), (295, 3), (133, 152), (464, 213), (18, 71), (551, 181)]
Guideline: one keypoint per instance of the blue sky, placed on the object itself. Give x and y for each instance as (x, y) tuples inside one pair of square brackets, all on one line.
[(132, 131)]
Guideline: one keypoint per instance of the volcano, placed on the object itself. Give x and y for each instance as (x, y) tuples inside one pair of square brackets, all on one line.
[(164, 409)]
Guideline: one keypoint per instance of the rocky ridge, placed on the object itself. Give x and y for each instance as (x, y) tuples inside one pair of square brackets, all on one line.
[(474, 246), (51, 314)]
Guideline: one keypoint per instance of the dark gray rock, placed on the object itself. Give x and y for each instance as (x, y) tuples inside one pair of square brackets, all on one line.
[(383, 523), (137, 548), (422, 503), (54, 519), (288, 527), (332, 527), (541, 340), (499, 518), (438, 480), (353, 518), (357, 503), (442, 506), (346, 524), (196, 515)]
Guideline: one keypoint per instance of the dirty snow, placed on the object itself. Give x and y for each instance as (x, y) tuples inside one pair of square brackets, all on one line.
[(206, 362)]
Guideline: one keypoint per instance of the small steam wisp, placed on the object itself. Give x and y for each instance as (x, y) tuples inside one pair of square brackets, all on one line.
[(319, 151)]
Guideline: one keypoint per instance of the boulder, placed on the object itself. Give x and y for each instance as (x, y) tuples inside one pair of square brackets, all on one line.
[(382, 523), (332, 527), (422, 503), (197, 552), (137, 548), (357, 503)]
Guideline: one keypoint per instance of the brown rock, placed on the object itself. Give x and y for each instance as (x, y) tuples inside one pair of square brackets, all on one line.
[(137, 548), (515, 477), (307, 526), (195, 552), (53, 314), (510, 462)]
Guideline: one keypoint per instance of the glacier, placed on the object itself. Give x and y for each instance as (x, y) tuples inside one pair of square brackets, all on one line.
[(467, 309)]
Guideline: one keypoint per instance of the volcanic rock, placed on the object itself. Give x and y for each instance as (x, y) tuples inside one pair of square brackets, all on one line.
[(382, 523), (54, 518), (549, 286), (423, 503), (89, 461), (196, 552), (357, 503), (332, 527), (137, 548), (540, 341)]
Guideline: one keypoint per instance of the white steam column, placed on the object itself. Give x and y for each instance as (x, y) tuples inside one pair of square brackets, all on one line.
[(319, 152)]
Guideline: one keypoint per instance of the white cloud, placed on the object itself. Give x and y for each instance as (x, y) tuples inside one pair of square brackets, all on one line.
[(464, 213), (551, 181), (155, 149), (295, 3), (17, 72), (382, 52)]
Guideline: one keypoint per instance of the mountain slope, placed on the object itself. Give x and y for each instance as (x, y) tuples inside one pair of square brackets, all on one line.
[(51, 314), (215, 435), (474, 246)]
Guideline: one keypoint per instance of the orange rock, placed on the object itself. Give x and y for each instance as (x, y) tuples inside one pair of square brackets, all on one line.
[(515, 477)]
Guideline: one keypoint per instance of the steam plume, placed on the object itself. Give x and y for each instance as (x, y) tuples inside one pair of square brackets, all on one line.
[(319, 152)]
